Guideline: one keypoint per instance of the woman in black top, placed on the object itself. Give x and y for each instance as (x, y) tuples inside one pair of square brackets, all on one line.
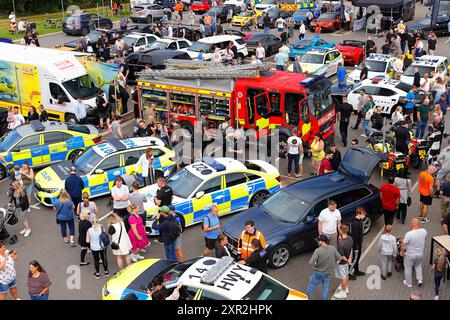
[(44, 115), (83, 226), (32, 114), (221, 247)]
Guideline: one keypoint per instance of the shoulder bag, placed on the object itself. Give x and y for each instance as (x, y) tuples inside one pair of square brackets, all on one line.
[(115, 246)]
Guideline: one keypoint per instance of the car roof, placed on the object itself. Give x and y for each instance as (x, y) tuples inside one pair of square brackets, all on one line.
[(229, 164), (380, 57), (163, 53), (113, 145), (428, 60), (27, 129), (384, 83), (215, 39)]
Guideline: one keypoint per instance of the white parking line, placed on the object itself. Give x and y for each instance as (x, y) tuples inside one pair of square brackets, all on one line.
[(105, 216)]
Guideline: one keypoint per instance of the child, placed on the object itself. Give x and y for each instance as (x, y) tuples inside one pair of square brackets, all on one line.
[(387, 246), (439, 267), (164, 133), (10, 118), (17, 175)]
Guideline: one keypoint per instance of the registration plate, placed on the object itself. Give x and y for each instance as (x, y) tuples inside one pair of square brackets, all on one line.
[(400, 166), (385, 165), (422, 154)]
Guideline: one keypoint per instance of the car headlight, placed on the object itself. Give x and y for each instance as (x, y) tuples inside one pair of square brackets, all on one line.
[(105, 291), (50, 190)]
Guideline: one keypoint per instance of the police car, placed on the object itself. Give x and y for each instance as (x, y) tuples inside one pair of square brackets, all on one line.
[(377, 64), (40, 144), (320, 62), (225, 182), (202, 279), (425, 64), (100, 165)]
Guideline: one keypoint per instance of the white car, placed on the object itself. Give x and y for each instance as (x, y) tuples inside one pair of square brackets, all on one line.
[(426, 64), (377, 64), (265, 6), (170, 44), (137, 41), (237, 3), (209, 44), (320, 62), (387, 94)]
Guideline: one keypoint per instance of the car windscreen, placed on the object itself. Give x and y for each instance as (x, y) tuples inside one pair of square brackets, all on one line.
[(312, 58), (137, 8), (376, 66), (9, 140), (422, 70), (82, 87), (285, 207), (245, 14), (94, 36), (320, 102), (129, 40), (199, 46), (267, 289), (326, 16), (256, 38), (158, 45), (72, 20), (87, 161), (183, 183)]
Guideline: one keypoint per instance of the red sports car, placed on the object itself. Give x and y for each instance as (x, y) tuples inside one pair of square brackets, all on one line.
[(353, 51), (328, 21)]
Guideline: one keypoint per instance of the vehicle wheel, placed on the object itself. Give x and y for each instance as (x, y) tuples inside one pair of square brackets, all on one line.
[(2, 172), (283, 145), (71, 118), (258, 198), (74, 154), (269, 51), (240, 59), (186, 125), (367, 224), (85, 31), (149, 19), (279, 256), (415, 162), (109, 26)]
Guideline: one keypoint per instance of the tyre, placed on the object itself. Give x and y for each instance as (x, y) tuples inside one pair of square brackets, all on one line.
[(149, 19), (71, 118), (2, 172), (367, 224), (189, 128), (283, 145), (240, 59), (279, 256), (258, 198), (74, 154), (85, 31)]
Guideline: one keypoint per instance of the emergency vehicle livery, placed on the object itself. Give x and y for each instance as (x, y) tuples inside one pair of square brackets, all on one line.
[(40, 144), (100, 165), (202, 279), (225, 182)]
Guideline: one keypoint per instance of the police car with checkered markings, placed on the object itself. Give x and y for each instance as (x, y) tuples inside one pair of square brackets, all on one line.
[(40, 144), (228, 183), (202, 279), (100, 165)]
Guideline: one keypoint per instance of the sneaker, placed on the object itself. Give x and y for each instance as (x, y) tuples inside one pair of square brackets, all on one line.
[(363, 135), (340, 295), (27, 233), (383, 277), (424, 220), (436, 298), (73, 244), (420, 283), (84, 263), (23, 231), (106, 273), (97, 275), (351, 277), (297, 175), (158, 241), (133, 258), (346, 289), (406, 284), (359, 273), (389, 274), (143, 251), (289, 175), (139, 257)]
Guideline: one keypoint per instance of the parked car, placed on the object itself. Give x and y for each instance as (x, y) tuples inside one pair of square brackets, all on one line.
[(300, 16), (209, 44), (305, 45), (221, 12), (274, 14), (233, 32), (139, 28), (82, 23), (328, 21), (201, 6), (190, 33), (423, 27), (94, 36), (289, 218), (243, 19), (265, 6), (147, 13), (353, 51), (137, 41), (270, 43), (170, 44)]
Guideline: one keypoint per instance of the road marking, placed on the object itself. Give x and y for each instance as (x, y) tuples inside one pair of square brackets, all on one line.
[(105, 216)]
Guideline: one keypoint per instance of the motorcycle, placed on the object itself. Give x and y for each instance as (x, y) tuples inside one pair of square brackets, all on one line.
[(418, 150)]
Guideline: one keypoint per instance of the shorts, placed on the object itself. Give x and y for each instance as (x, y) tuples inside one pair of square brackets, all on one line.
[(441, 174), (426, 200), (5, 287), (210, 243), (103, 115), (280, 29), (21, 215), (409, 111), (341, 271), (29, 189), (178, 242)]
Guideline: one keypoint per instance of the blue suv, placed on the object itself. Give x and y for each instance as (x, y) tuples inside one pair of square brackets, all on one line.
[(289, 218), (82, 23)]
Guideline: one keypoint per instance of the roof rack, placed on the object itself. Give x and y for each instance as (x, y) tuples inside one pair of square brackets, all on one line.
[(217, 270)]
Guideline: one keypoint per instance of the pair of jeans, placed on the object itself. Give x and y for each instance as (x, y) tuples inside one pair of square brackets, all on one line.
[(358, 120), (420, 131), (295, 159), (38, 297), (266, 30), (343, 129), (367, 129), (280, 67), (317, 278), (437, 284), (64, 224), (170, 251)]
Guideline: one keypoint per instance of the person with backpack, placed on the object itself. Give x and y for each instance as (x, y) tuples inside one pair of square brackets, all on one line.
[(98, 246), (179, 240), (167, 227), (136, 233), (211, 227)]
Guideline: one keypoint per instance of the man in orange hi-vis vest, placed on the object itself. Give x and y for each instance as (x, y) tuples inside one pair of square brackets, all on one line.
[(245, 248)]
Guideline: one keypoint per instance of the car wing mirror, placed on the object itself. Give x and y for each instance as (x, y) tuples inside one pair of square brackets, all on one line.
[(199, 194), (99, 171)]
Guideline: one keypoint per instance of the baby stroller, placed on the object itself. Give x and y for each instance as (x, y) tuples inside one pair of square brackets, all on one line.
[(398, 262), (7, 216)]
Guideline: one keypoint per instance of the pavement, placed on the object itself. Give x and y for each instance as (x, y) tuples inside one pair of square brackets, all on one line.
[(71, 282)]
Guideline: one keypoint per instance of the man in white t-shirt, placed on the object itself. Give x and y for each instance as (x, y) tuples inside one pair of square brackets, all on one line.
[(425, 83), (260, 52), (330, 222), (120, 194), (18, 118), (413, 248), (295, 153), (280, 24)]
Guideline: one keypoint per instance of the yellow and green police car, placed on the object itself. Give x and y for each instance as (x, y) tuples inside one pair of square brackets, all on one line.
[(242, 19), (228, 183), (201, 279), (100, 165), (43, 143)]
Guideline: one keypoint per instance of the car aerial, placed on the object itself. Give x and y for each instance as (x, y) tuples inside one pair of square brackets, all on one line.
[(377, 64), (269, 42), (425, 64), (170, 44), (265, 6), (288, 219), (328, 21), (320, 62), (100, 165), (305, 45), (201, 279), (147, 13), (221, 12), (230, 184), (242, 19), (41, 144), (82, 23), (353, 51), (424, 27), (137, 41), (209, 44), (233, 32), (274, 14), (189, 33)]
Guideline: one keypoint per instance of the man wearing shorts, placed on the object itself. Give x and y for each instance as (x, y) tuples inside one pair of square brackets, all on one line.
[(211, 226), (444, 160), (345, 249), (426, 188), (179, 240)]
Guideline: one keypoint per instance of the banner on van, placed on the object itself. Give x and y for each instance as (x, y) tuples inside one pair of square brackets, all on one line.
[(102, 73)]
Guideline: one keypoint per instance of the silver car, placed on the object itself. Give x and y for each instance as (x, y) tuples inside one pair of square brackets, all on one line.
[(146, 13)]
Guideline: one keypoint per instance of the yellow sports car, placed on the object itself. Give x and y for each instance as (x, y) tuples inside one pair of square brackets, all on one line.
[(242, 19), (201, 279)]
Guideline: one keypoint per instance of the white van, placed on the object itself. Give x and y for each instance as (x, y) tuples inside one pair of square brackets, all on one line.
[(31, 76)]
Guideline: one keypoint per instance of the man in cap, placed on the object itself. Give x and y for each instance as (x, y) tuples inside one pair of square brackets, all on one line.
[(178, 241), (163, 225)]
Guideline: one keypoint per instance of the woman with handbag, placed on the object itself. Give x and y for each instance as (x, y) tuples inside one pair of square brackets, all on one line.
[(120, 242), (137, 233), (20, 200), (98, 250), (64, 208), (404, 184), (83, 226)]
